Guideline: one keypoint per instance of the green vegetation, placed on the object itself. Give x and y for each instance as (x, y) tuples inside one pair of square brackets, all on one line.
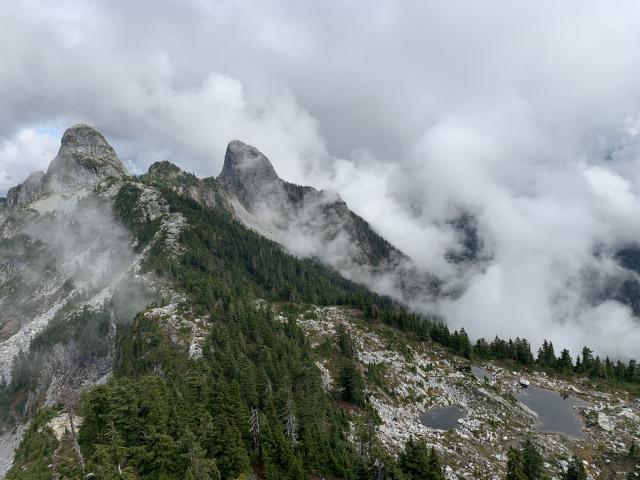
[(419, 463), (575, 471), (253, 402), (524, 463), (36, 450)]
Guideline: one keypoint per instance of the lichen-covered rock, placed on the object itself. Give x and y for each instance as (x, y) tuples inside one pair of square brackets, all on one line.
[(83, 160)]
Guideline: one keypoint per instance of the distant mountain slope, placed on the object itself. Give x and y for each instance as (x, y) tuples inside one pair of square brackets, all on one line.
[(318, 223)]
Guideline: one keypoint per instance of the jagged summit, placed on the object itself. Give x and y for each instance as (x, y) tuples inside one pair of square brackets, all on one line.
[(81, 138), (246, 171), (84, 158)]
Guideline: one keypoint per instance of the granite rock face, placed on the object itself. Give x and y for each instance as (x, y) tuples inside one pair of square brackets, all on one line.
[(84, 159), (317, 223), (28, 191), (247, 173)]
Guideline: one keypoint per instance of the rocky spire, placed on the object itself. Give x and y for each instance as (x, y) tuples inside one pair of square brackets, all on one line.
[(84, 158), (247, 172)]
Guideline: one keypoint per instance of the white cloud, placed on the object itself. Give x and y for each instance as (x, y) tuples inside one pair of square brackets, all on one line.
[(525, 114), (26, 152)]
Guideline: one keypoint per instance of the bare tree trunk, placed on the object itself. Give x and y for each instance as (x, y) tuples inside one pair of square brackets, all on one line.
[(76, 445)]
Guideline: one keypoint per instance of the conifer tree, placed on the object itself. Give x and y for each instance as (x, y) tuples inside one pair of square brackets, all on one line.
[(531, 461), (515, 469), (575, 471)]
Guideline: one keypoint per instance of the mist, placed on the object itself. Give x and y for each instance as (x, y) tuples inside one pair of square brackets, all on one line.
[(68, 257), (527, 116)]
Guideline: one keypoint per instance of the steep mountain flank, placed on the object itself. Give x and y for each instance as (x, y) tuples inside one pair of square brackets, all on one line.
[(318, 223)]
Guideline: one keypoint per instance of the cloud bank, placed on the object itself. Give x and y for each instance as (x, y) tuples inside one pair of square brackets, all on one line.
[(526, 115)]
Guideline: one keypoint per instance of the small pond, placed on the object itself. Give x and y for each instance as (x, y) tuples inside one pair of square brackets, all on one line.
[(442, 418), (555, 413), (482, 374)]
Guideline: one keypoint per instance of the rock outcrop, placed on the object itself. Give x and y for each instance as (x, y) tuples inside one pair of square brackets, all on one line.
[(28, 191), (206, 191), (83, 160), (298, 210), (248, 174), (317, 223)]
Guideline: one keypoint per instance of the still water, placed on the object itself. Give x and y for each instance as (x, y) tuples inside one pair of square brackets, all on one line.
[(442, 418), (555, 414)]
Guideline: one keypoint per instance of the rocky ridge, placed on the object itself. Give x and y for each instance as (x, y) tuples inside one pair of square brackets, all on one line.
[(65, 259), (412, 377)]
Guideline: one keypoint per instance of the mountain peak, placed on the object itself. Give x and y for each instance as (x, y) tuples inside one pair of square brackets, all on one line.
[(244, 159), (84, 158), (83, 138), (246, 171)]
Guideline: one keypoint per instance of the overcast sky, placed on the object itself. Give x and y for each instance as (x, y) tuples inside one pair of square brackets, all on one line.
[(525, 113)]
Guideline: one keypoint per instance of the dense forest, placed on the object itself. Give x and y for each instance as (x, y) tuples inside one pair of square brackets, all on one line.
[(253, 403)]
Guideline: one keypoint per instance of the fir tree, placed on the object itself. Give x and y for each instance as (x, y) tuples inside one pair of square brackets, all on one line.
[(531, 461), (515, 469), (575, 471)]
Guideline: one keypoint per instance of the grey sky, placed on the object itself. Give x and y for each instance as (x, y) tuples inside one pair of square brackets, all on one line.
[(527, 113)]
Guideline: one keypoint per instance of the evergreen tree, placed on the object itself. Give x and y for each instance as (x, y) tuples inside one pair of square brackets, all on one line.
[(112, 456), (352, 383), (414, 460), (575, 471), (345, 342), (531, 461), (565, 364), (546, 356), (515, 468), (420, 463), (435, 468)]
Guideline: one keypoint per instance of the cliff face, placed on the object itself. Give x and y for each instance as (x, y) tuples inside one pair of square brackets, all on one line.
[(318, 223), (83, 160), (69, 273)]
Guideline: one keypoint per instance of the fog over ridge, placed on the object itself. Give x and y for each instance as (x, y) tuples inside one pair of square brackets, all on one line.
[(528, 116)]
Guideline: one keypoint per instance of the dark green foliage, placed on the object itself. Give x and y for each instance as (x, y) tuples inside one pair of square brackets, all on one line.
[(129, 211), (575, 471), (531, 461), (515, 467), (564, 363), (34, 454), (524, 463), (250, 361), (460, 343), (546, 356), (352, 384), (417, 462), (345, 342)]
